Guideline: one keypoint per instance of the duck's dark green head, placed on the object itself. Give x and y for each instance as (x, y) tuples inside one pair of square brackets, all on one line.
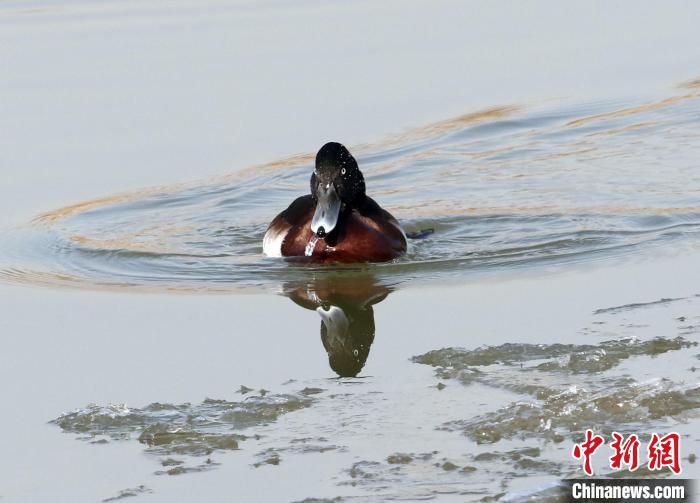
[(336, 184)]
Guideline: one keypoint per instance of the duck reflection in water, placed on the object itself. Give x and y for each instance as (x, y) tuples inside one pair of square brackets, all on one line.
[(344, 304)]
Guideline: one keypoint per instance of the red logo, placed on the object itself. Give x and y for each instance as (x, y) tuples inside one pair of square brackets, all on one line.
[(587, 449), (626, 452), (661, 452), (665, 451)]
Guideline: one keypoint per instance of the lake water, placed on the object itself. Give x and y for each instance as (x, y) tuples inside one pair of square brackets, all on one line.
[(151, 350)]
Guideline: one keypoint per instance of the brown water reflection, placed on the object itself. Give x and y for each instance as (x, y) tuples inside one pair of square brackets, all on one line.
[(503, 187), (345, 305)]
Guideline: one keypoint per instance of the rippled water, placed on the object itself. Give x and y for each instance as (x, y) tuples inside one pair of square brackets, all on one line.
[(538, 188), (183, 430), (506, 187), (498, 413)]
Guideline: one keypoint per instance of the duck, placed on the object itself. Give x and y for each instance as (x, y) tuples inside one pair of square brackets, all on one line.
[(337, 221), (345, 305)]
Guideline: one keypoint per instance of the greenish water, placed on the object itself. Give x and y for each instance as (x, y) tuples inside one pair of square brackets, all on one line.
[(507, 192), (529, 403), (150, 350), (503, 189)]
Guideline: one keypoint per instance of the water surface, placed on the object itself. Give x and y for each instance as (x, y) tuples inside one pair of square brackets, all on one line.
[(507, 191), (552, 149), (504, 188)]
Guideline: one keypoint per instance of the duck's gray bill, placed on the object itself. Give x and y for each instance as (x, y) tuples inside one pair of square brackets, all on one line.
[(327, 210)]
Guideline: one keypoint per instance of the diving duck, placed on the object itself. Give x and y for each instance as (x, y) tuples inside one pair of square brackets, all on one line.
[(338, 221)]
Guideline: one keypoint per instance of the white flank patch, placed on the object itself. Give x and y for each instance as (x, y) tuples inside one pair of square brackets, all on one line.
[(272, 242)]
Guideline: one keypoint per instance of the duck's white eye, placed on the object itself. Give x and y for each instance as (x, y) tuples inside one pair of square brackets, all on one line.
[(342, 171)]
